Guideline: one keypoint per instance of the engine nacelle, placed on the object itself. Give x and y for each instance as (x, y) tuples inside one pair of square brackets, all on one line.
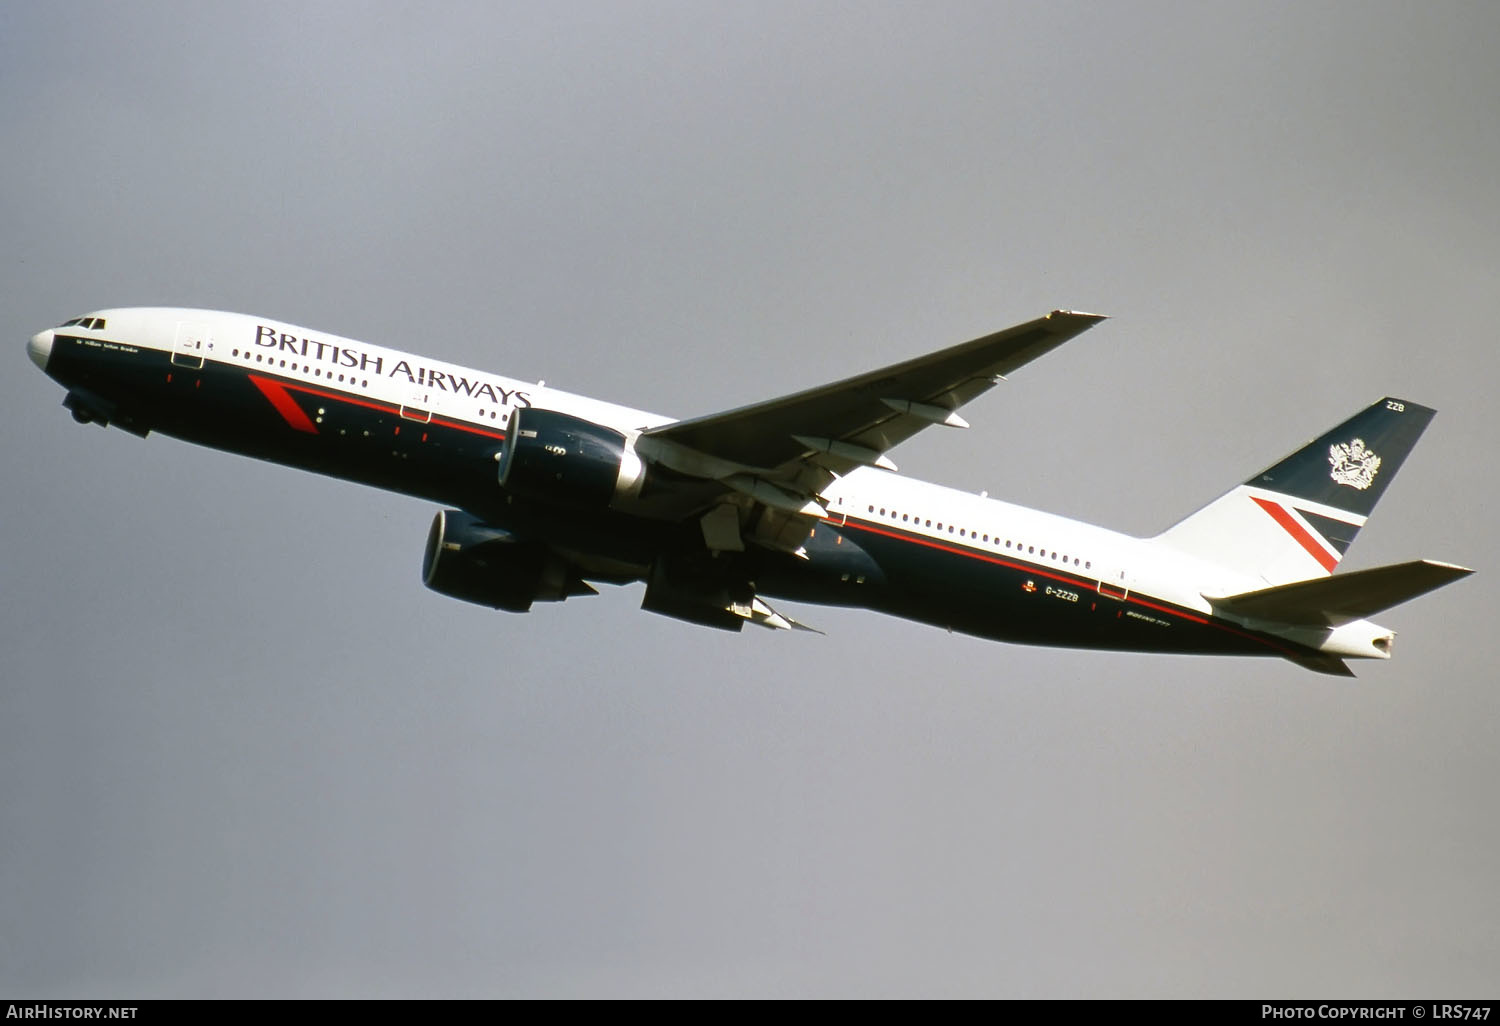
[(474, 561), (558, 458)]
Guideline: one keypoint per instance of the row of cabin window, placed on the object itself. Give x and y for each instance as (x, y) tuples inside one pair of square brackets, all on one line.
[(317, 371), (260, 357), (964, 533)]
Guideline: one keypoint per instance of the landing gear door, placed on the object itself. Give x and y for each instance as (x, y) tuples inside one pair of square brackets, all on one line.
[(192, 344)]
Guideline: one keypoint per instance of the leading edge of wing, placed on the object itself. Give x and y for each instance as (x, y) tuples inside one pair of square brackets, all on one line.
[(855, 409)]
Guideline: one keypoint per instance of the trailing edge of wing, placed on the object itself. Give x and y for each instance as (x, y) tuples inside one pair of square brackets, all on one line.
[(1342, 598), (865, 411)]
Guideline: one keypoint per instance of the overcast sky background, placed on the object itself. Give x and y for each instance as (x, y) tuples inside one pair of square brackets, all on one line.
[(244, 753)]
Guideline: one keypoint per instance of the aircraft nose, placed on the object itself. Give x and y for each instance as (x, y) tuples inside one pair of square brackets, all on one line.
[(40, 347)]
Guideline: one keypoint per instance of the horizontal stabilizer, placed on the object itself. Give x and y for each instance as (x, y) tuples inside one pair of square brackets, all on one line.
[(1320, 662), (1342, 598)]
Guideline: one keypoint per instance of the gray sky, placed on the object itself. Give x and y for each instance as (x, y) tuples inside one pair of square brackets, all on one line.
[(244, 753)]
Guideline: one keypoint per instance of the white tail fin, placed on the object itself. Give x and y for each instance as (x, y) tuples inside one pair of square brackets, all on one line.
[(1295, 520)]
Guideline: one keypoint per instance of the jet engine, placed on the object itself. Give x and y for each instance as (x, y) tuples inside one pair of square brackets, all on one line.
[(557, 458), (470, 560)]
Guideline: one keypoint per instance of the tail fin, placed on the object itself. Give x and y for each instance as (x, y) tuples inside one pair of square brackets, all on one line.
[(1296, 519)]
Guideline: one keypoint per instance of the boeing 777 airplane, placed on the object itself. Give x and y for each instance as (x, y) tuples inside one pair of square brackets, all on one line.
[(792, 498)]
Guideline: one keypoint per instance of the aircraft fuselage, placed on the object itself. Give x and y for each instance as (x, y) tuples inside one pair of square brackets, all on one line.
[(437, 431)]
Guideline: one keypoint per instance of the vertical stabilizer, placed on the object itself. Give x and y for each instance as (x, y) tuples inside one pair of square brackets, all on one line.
[(1295, 520)]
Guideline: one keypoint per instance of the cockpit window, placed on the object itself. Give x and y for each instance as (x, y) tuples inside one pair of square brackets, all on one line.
[(91, 323)]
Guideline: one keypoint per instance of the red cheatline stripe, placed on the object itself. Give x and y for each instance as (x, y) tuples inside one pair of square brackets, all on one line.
[(266, 385), (1133, 600), (284, 403), (343, 397), (1279, 514)]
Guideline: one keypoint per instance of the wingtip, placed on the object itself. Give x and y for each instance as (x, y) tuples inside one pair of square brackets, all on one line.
[(1453, 568), (1077, 315)]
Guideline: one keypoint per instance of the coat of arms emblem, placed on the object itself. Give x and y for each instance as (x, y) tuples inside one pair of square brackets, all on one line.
[(1353, 464)]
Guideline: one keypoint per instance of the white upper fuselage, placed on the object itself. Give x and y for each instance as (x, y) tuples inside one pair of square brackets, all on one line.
[(484, 399)]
